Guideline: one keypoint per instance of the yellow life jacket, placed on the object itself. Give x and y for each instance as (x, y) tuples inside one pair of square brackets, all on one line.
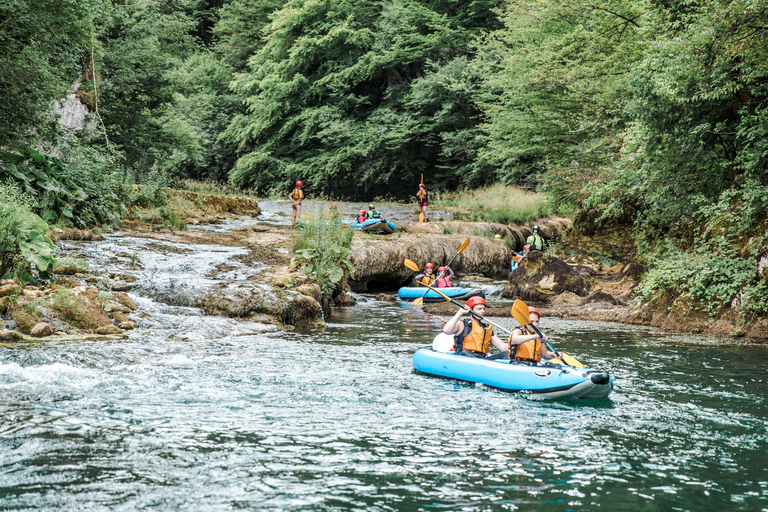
[(297, 194), (427, 280), (475, 337), (528, 351)]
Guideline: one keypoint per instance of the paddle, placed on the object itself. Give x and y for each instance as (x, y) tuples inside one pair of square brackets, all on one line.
[(554, 361), (522, 315), (420, 300), (462, 306)]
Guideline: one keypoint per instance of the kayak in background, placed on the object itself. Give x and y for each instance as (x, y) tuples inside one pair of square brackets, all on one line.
[(373, 226), (537, 380), (454, 292)]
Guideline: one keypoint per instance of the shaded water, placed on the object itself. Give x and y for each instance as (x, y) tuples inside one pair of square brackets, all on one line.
[(196, 413)]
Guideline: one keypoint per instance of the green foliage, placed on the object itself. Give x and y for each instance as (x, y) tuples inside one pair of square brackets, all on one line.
[(322, 249), (339, 96), (498, 203), (23, 242), (42, 46)]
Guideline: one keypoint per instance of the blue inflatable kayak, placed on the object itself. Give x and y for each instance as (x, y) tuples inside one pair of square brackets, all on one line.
[(542, 380), (454, 292), (373, 226)]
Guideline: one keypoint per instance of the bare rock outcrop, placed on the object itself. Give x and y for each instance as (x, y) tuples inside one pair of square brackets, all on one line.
[(379, 264), (544, 281)]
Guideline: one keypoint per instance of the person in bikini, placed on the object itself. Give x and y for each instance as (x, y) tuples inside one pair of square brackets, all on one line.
[(296, 197)]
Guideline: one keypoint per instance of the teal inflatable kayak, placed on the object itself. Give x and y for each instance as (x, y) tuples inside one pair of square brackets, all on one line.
[(541, 380), (373, 226), (454, 292)]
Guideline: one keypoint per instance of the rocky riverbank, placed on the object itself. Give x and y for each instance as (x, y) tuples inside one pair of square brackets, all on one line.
[(232, 263)]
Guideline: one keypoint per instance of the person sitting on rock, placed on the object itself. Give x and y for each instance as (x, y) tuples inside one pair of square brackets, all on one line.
[(426, 277), (443, 280), (535, 240), (362, 217), (473, 336), (373, 213), (526, 345)]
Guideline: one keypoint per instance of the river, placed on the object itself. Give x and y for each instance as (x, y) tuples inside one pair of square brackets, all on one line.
[(192, 412)]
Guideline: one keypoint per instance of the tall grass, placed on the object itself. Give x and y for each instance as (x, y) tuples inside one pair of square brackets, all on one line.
[(496, 203), (217, 188)]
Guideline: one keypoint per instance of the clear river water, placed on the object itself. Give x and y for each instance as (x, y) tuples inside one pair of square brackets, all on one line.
[(192, 412)]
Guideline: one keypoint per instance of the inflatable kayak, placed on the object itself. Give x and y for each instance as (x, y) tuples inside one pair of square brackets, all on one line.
[(373, 226), (454, 292), (378, 226), (540, 380)]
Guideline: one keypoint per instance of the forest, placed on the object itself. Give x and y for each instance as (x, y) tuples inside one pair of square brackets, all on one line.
[(641, 117)]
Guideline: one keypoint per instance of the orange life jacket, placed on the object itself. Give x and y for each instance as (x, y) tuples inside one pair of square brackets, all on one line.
[(427, 279), (528, 351), (475, 337), (297, 194)]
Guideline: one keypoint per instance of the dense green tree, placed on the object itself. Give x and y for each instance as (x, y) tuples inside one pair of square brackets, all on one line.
[(330, 96), (555, 86), (42, 47)]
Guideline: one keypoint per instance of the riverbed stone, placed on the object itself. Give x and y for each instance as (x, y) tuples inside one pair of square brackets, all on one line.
[(9, 335), (67, 282), (108, 329), (41, 330), (127, 326), (124, 299), (307, 312), (9, 289)]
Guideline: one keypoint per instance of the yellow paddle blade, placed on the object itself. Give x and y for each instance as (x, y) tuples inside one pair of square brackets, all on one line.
[(556, 361), (520, 312), (411, 265), (571, 361), (421, 217), (418, 301), (464, 245)]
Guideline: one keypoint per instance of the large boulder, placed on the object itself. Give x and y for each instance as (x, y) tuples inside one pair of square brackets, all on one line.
[(552, 276), (379, 264)]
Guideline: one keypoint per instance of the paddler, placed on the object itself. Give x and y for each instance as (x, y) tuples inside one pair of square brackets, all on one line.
[(373, 213), (473, 336), (423, 198), (296, 197), (443, 280), (525, 345), (426, 277)]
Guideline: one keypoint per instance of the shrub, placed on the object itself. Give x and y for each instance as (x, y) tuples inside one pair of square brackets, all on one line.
[(322, 249), (22, 237)]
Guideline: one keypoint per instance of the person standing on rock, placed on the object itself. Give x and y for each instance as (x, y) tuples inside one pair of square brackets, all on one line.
[(473, 337), (535, 241), (296, 197), (423, 199)]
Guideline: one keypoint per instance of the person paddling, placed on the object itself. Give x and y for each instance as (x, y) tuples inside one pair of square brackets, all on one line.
[(443, 280), (296, 197), (426, 277), (423, 199), (362, 217), (373, 213), (525, 345), (473, 337)]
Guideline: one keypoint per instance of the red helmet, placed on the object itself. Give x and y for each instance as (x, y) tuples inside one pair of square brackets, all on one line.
[(441, 269), (333, 205), (531, 309), (429, 265), (298, 183), (474, 301), (422, 185), (362, 212)]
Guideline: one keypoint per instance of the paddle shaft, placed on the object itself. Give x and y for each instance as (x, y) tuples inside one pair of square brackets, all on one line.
[(481, 317), (461, 249)]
